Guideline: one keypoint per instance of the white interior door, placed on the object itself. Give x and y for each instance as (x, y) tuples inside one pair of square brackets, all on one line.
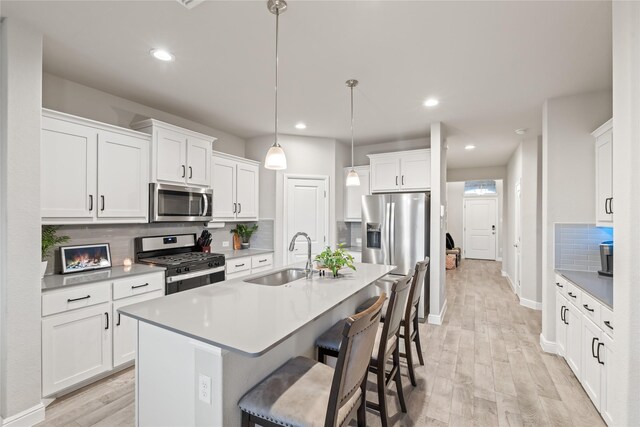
[(306, 208), (518, 241), (480, 228)]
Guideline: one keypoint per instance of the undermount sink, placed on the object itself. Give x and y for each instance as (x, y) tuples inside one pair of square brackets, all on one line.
[(278, 278)]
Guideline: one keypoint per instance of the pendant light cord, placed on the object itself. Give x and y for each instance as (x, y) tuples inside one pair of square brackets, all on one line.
[(276, 112), (351, 127)]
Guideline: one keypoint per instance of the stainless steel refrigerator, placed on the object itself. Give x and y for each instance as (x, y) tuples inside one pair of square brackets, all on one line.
[(395, 231)]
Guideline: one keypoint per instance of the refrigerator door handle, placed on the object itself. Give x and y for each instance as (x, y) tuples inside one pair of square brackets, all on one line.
[(392, 232)]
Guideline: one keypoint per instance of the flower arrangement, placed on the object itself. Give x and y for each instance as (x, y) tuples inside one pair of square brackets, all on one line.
[(335, 260)]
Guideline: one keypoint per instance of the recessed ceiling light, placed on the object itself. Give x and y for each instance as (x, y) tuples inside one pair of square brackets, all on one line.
[(300, 125), (162, 55), (469, 147), (521, 131), (431, 102)]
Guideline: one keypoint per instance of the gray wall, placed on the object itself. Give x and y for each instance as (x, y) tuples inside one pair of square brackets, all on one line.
[(73, 98), (21, 79), (361, 151), (470, 174)]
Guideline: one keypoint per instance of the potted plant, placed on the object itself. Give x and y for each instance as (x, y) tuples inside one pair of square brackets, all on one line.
[(335, 260), (243, 234), (50, 239)]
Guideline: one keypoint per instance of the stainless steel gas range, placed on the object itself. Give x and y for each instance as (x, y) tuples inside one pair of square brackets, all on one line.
[(187, 267)]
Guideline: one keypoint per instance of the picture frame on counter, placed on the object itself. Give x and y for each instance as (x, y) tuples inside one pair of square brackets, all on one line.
[(75, 259)]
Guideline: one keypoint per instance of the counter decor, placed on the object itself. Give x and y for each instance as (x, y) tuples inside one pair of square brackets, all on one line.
[(242, 235), (50, 239), (335, 260), (75, 259)]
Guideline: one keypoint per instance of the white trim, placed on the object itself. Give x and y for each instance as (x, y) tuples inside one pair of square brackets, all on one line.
[(535, 305), (513, 287), (437, 319), (26, 418), (503, 273), (548, 346), (499, 259), (234, 158)]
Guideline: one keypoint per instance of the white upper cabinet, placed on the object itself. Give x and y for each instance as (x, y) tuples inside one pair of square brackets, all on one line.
[(353, 195), (401, 171), (178, 156), (92, 172), (235, 183), (604, 174)]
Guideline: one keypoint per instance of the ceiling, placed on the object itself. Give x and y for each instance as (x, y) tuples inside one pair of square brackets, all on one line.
[(491, 64)]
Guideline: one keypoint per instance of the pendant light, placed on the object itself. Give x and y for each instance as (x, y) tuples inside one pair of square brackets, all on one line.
[(276, 158), (353, 180)]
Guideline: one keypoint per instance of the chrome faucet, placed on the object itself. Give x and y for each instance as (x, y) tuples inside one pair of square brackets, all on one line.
[(308, 270)]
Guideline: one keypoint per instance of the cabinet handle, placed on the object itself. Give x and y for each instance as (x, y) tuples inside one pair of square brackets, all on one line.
[(139, 286), (606, 205), (235, 207), (102, 200), (239, 207), (598, 353), (262, 260), (559, 285), (396, 179), (184, 171), (78, 299), (240, 265), (610, 207), (566, 309), (608, 324), (190, 172), (587, 308), (402, 180), (90, 202), (562, 313), (571, 295), (593, 351), (118, 322), (107, 316)]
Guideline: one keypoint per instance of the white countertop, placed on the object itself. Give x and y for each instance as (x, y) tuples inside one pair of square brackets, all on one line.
[(232, 254), (56, 281), (251, 319)]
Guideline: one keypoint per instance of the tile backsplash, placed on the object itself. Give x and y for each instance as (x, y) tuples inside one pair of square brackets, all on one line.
[(577, 246), (349, 234), (120, 237)]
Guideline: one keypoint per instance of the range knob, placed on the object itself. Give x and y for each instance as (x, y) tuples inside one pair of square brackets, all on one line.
[(186, 269), (211, 264), (178, 270)]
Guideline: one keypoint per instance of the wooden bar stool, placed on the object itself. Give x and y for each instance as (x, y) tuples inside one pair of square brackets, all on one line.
[(329, 344), (410, 332), (303, 392)]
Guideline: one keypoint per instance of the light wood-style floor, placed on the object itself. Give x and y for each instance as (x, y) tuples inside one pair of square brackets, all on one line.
[(483, 366)]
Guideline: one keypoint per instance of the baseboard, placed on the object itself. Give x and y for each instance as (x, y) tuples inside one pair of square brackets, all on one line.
[(513, 286), (503, 273), (26, 418), (535, 305), (499, 259), (437, 319), (548, 346)]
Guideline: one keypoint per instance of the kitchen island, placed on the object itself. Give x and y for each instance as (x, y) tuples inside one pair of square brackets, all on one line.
[(200, 350)]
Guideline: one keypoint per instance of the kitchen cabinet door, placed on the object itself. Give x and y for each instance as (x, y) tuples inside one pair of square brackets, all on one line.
[(223, 182), (353, 195), (590, 369), (124, 329), (171, 156), (67, 171), (604, 179), (573, 351), (76, 346), (416, 171), (247, 191), (199, 159), (561, 327), (123, 176), (385, 173), (607, 384)]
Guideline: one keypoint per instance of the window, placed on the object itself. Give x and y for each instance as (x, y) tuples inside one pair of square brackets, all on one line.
[(480, 188)]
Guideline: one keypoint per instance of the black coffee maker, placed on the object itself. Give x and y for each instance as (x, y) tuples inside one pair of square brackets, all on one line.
[(606, 258)]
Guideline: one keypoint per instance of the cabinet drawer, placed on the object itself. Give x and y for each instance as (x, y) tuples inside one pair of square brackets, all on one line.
[(137, 285), (606, 320), (261, 269), (75, 297), (574, 294), (561, 284), (261, 260), (590, 308), (238, 264), (238, 274)]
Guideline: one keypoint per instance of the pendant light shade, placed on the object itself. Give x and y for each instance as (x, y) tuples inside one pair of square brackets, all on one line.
[(353, 180), (276, 159)]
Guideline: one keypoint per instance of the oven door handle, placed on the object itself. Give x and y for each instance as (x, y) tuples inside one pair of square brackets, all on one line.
[(187, 276)]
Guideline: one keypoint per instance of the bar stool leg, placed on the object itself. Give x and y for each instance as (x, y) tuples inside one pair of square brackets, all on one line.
[(398, 379), (417, 341), (362, 410), (409, 355), (382, 394)]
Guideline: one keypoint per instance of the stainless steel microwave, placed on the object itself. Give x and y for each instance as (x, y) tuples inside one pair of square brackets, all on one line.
[(174, 203)]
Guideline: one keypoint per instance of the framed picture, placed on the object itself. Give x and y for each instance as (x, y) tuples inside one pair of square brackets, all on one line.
[(75, 259)]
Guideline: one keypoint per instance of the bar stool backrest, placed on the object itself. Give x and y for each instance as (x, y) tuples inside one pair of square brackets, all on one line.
[(395, 310), (358, 338), (416, 285)]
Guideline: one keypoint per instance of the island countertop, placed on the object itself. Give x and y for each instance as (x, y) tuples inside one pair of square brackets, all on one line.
[(251, 319)]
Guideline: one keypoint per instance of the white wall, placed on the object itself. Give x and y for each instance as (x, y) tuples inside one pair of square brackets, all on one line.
[(73, 98), (626, 194), (438, 292), (514, 176), (472, 174), (361, 151), (21, 79), (568, 182)]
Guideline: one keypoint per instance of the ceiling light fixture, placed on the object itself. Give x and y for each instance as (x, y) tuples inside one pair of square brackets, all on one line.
[(431, 102), (353, 180), (300, 125), (521, 131), (162, 55), (276, 158), (469, 147)]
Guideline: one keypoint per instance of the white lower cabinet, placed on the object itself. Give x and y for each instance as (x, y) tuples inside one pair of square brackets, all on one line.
[(561, 326), (246, 266), (607, 384), (76, 346), (591, 375), (573, 350)]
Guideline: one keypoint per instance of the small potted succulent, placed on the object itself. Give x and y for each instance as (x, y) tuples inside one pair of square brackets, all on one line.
[(50, 239), (335, 260), (243, 233)]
